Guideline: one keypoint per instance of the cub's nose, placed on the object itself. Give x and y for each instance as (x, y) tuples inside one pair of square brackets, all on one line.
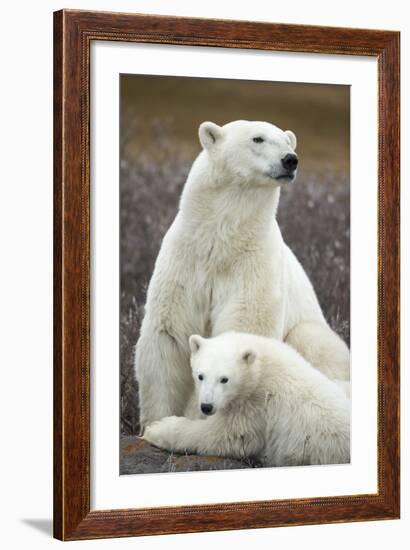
[(206, 408), (290, 162)]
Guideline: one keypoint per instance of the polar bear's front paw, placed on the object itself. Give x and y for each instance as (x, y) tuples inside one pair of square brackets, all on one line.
[(164, 433)]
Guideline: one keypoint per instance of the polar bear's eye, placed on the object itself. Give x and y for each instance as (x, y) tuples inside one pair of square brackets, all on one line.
[(224, 380), (258, 139), (200, 377)]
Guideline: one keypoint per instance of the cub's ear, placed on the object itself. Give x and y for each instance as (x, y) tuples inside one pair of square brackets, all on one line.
[(195, 342), (209, 134), (291, 138), (248, 357)]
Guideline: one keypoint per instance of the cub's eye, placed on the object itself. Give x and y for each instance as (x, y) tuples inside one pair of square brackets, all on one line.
[(200, 377), (258, 139), (224, 380)]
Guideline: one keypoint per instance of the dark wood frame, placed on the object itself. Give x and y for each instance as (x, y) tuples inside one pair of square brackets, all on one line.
[(73, 33)]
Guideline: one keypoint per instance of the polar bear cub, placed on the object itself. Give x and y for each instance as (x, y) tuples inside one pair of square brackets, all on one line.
[(259, 398)]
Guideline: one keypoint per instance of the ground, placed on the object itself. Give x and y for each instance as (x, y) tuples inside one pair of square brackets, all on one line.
[(138, 456)]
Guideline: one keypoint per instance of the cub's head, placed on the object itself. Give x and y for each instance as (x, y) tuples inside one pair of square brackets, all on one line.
[(250, 151), (220, 369)]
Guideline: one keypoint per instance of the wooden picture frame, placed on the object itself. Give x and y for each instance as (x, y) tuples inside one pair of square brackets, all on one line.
[(74, 32)]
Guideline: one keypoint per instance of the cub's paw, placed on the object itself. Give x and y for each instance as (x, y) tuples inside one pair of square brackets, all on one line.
[(164, 433)]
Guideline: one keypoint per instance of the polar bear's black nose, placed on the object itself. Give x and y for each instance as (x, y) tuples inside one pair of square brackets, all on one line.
[(206, 408), (290, 162)]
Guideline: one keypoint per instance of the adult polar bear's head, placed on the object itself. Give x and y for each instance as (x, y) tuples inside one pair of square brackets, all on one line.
[(250, 151)]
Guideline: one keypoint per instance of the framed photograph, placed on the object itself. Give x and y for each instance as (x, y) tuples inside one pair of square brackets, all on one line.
[(226, 275)]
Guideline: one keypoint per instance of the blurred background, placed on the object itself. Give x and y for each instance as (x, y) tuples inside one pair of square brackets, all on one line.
[(159, 118)]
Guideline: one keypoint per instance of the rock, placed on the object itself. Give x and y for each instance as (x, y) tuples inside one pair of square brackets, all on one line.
[(139, 457)]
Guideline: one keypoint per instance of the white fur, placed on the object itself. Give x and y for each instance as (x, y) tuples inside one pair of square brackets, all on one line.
[(223, 265), (268, 403)]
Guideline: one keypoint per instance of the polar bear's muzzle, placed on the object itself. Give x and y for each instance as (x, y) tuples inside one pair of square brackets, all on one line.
[(286, 170), (290, 162), (289, 165), (207, 409)]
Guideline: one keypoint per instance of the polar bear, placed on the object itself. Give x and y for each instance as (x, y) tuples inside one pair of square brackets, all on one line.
[(223, 265), (261, 400)]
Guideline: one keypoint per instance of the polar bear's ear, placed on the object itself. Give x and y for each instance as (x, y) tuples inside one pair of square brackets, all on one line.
[(195, 342), (209, 134), (291, 138), (248, 357)]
